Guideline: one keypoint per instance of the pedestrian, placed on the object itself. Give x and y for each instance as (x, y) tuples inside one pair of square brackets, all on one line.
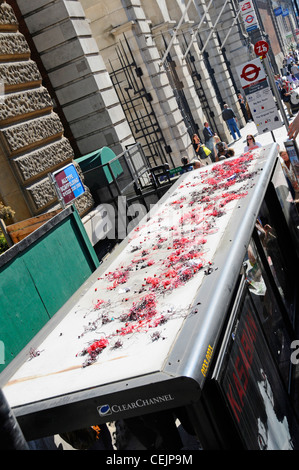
[(201, 150), (186, 165), (242, 103), (251, 143), (196, 164), (286, 98), (290, 60), (291, 80), (221, 155), (278, 82), (218, 144), (229, 117), (208, 134), (295, 70), (230, 152), (220, 147), (224, 153), (289, 173)]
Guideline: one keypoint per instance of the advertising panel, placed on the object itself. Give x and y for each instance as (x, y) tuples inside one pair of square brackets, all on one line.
[(69, 183), (252, 388)]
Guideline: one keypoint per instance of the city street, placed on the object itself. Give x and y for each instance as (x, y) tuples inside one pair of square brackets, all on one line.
[(120, 435), (280, 136), (107, 110)]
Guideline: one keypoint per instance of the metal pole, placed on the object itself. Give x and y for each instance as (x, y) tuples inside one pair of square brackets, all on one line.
[(176, 32), (227, 36), (214, 27), (197, 29), (11, 436)]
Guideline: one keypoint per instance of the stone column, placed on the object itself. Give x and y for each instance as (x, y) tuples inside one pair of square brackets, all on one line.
[(157, 83), (184, 80), (71, 57), (216, 58)]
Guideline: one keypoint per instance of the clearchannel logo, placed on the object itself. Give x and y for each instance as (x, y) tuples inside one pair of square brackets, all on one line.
[(104, 410), (107, 410)]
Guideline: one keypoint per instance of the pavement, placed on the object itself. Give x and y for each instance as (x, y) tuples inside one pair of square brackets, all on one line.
[(279, 136)]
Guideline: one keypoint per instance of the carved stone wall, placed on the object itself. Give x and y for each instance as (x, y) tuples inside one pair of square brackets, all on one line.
[(42, 160), (17, 106), (78, 76), (20, 75), (32, 143)]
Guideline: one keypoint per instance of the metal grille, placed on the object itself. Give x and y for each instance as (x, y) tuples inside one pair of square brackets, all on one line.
[(137, 106)]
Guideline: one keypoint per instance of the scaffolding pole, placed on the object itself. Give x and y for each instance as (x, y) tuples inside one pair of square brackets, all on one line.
[(176, 32), (214, 27), (197, 30), (227, 36)]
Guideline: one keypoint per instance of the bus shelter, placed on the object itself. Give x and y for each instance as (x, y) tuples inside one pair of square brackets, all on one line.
[(193, 316)]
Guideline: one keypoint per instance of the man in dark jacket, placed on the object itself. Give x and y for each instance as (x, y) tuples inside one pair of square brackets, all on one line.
[(230, 118)]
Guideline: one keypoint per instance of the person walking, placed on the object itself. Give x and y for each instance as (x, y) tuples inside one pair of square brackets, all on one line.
[(243, 107), (229, 117), (208, 134), (295, 70), (286, 98), (201, 151)]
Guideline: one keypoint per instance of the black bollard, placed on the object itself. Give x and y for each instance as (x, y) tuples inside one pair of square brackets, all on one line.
[(11, 436)]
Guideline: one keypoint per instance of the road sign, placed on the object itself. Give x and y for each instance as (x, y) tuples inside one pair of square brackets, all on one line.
[(261, 48), (251, 72), (249, 19), (259, 96), (264, 110), (246, 6), (277, 11), (68, 183), (248, 14)]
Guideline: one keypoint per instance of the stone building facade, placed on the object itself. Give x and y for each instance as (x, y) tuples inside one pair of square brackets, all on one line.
[(32, 141), (184, 70), (104, 61), (118, 72)]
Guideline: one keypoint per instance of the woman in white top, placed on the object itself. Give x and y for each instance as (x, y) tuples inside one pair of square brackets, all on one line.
[(251, 143)]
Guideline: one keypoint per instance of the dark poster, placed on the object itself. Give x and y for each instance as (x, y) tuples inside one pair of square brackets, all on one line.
[(253, 389)]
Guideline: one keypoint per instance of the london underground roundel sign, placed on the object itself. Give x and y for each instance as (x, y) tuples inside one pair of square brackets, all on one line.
[(250, 72)]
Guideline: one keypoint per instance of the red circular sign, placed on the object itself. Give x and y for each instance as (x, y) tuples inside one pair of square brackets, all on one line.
[(261, 48), (250, 72), (249, 19)]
